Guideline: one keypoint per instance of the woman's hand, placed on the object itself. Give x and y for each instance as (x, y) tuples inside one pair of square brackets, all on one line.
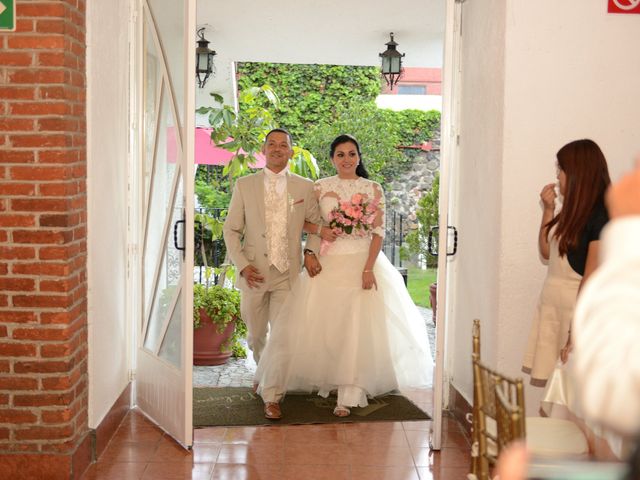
[(566, 350), (548, 196), (369, 280), (327, 234)]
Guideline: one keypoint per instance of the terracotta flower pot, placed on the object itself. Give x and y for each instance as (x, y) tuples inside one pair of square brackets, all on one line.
[(208, 342)]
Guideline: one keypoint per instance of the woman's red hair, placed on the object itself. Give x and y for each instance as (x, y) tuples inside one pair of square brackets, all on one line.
[(587, 174)]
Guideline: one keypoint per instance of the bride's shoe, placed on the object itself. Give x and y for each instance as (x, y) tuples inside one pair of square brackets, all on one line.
[(341, 411)]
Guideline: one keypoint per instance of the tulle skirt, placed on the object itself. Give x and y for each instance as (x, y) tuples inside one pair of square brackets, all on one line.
[(331, 332)]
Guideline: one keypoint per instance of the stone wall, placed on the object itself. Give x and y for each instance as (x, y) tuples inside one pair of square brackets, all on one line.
[(402, 195)]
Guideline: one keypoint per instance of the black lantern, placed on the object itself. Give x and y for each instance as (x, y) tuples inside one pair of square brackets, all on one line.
[(204, 59), (391, 63)]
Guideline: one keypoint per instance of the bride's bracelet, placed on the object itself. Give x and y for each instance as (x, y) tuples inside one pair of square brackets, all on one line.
[(367, 271)]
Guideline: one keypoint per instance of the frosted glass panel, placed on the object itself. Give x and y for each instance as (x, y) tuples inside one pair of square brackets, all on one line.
[(171, 349), (168, 286), (164, 173), (169, 18)]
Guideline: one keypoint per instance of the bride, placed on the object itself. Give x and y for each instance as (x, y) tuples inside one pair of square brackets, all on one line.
[(351, 327)]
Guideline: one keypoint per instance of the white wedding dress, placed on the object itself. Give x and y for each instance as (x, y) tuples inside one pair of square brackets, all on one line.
[(331, 334)]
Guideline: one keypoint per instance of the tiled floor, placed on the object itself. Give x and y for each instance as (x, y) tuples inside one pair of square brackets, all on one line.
[(376, 450)]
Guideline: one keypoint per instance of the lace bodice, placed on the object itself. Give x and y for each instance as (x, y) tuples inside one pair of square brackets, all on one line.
[(333, 190)]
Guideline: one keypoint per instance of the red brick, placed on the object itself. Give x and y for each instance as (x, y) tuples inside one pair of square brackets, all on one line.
[(4, 399), (56, 59), (58, 285), (3, 331), (16, 416), (40, 204), (67, 220), (33, 42), (17, 157), (50, 26), (42, 399), (42, 334), (18, 383), (16, 124), (42, 367), (4, 433), (18, 317), (58, 92), (17, 220), (17, 349), (4, 269), (57, 125), (16, 59), (40, 108), (44, 433), (51, 269), (57, 416), (5, 366), (17, 284), (48, 237), (41, 9), (39, 77), (59, 156), (17, 189), (4, 237), (67, 189), (23, 25), (61, 383), (11, 92), (40, 140), (58, 350), (58, 253), (4, 300), (42, 301), (48, 318), (17, 253)]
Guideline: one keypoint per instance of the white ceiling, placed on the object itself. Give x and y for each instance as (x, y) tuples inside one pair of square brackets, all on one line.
[(350, 32)]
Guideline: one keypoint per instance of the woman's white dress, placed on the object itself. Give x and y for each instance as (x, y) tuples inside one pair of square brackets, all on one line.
[(331, 334)]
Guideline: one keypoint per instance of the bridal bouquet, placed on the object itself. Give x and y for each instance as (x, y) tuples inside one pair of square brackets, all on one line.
[(354, 216)]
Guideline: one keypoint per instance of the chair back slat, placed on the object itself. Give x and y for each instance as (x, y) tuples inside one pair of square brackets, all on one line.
[(486, 382), (509, 415)]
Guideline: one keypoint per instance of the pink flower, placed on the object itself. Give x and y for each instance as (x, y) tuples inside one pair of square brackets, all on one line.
[(356, 198)]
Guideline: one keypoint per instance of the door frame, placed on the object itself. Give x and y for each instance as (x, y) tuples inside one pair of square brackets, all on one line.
[(448, 155)]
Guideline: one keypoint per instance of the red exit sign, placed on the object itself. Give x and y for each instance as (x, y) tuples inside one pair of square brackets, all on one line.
[(624, 6)]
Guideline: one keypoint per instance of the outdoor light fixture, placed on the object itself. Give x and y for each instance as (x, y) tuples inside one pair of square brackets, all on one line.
[(391, 63), (204, 59)]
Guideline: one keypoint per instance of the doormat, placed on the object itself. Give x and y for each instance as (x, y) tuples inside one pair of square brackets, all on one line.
[(240, 406)]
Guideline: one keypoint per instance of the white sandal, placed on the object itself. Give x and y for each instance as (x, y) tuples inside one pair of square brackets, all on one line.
[(341, 411)]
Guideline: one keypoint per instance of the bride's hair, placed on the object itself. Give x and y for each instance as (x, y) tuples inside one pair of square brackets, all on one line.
[(361, 171)]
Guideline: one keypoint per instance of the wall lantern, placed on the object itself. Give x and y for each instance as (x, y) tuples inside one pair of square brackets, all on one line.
[(391, 63), (204, 59)]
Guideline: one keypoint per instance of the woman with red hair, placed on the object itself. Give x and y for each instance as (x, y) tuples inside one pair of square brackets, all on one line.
[(569, 241)]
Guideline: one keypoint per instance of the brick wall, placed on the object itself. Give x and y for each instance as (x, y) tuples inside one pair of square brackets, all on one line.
[(43, 309)]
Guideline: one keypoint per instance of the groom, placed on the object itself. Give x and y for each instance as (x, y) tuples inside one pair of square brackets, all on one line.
[(262, 232)]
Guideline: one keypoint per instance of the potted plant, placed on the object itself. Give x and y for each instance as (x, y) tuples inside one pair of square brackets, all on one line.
[(218, 326)]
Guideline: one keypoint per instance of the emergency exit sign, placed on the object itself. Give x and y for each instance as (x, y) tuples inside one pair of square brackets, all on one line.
[(622, 6), (7, 15)]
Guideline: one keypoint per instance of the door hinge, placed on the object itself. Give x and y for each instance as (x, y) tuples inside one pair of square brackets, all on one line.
[(132, 375)]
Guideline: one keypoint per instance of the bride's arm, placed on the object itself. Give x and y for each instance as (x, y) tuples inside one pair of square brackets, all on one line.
[(322, 231), (368, 277)]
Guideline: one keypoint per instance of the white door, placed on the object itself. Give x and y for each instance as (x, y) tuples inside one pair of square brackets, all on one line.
[(446, 237), (165, 218)]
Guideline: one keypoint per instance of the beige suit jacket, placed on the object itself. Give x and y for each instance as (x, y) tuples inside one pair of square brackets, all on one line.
[(245, 227)]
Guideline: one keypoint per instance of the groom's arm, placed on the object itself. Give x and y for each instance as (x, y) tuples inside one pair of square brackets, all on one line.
[(233, 229)]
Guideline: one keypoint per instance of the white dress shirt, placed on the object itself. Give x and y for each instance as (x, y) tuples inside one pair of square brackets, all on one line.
[(606, 332)]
